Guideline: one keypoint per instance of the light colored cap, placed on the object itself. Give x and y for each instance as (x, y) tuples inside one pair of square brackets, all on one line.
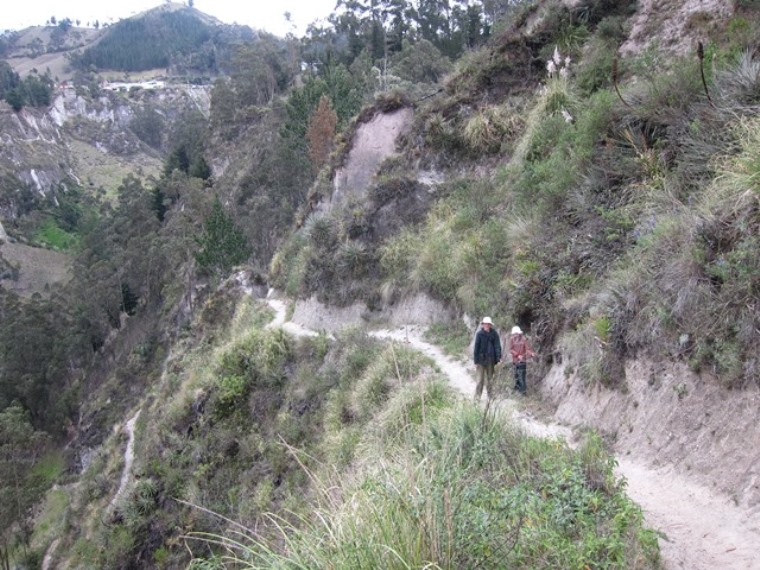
[(486, 321), (516, 330)]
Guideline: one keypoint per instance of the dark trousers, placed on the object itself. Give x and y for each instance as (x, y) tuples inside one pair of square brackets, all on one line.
[(520, 369)]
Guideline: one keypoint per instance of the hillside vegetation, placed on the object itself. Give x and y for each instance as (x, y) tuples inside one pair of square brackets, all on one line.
[(624, 221), (350, 454), (606, 204), (166, 37)]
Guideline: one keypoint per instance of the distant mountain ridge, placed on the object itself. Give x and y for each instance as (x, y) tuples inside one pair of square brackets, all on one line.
[(170, 37)]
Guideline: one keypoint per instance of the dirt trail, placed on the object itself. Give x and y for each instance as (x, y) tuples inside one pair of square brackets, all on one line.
[(461, 379), (701, 529), (129, 456)]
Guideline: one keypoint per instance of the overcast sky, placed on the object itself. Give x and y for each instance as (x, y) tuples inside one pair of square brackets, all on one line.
[(259, 14)]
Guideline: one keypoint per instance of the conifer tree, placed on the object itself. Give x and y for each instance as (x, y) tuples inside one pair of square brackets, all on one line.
[(222, 245)]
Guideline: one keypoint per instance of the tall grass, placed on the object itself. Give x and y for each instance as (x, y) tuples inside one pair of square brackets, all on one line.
[(459, 491)]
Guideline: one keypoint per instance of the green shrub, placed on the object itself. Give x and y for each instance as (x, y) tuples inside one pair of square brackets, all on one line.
[(429, 499), (257, 359), (221, 245), (51, 235), (396, 254), (595, 70), (231, 391), (420, 62), (453, 337), (671, 91)]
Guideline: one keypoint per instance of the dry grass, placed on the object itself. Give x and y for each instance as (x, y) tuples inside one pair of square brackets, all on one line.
[(99, 170), (490, 127), (39, 269)]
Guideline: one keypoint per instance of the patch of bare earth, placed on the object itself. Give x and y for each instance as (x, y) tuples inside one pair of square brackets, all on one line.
[(672, 26), (373, 143), (39, 269)]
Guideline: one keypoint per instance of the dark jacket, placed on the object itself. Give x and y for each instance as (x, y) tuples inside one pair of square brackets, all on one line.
[(487, 347)]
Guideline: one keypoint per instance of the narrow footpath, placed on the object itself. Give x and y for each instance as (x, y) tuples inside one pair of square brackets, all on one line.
[(129, 457), (700, 529)]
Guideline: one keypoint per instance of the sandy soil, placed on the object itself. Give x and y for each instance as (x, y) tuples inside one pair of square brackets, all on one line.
[(373, 143), (671, 26), (701, 527)]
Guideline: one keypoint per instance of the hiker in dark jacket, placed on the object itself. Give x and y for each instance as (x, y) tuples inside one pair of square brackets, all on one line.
[(487, 355)]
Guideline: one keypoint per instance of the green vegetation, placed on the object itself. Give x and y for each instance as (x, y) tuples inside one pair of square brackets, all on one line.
[(425, 495), (51, 235), (146, 43), (221, 245), (34, 90), (611, 211), (22, 479)]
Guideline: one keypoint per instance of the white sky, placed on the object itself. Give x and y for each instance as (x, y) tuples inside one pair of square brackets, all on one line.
[(259, 14)]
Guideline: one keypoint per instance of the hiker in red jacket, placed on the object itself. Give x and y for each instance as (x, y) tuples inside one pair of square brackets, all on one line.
[(521, 351)]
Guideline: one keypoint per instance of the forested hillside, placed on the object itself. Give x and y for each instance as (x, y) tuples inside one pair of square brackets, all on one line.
[(546, 170)]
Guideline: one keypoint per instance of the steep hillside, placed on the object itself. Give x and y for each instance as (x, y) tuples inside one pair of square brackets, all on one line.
[(48, 48), (74, 155), (619, 228), (538, 164)]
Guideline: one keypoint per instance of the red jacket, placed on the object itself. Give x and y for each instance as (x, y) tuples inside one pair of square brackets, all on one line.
[(520, 348)]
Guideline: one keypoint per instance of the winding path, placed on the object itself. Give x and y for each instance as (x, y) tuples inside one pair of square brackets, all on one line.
[(129, 457), (700, 530)]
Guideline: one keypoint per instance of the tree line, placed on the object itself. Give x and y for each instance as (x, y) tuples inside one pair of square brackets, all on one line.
[(145, 43), (34, 90), (382, 27)]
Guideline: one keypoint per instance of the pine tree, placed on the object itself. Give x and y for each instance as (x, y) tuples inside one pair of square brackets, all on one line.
[(222, 245)]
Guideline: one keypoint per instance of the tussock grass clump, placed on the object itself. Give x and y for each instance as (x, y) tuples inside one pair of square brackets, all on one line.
[(593, 353), (741, 83), (394, 366), (352, 259), (489, 128)]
